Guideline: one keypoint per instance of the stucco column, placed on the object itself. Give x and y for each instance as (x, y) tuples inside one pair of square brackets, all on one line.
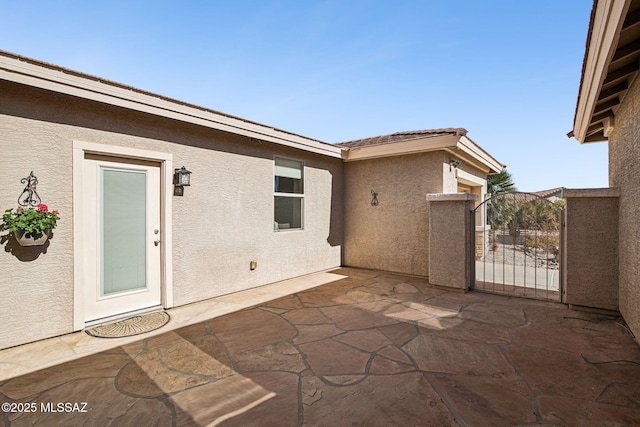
[(451, 240), (590, 248)]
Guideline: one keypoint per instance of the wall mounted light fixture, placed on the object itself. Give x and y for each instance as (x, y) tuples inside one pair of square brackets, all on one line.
[(453, 164), (182, 177), (374, 201)]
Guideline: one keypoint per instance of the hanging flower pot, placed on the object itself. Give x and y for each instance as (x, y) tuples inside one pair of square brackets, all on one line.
[(30, 227), (27, 239)]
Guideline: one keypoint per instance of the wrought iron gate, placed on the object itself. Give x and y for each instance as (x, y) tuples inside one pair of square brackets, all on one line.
[(517, 245)]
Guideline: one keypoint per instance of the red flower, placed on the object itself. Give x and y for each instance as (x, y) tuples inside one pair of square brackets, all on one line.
[(55, 213), (19, 208), (43, 207)]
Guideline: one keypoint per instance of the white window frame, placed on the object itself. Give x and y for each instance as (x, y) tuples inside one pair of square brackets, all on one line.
[(292, 195)]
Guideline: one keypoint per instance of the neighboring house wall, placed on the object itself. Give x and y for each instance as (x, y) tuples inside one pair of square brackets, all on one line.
[(464, 178), (449, 181), (453, 177), (223, 221), (393, 236), (624, 172)]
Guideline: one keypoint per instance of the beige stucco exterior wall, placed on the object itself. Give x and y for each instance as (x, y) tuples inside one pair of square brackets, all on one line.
[(36, 296), (591, 248), (451, 179), (624, 172), (451, 240), (394, 236), (223, 221)]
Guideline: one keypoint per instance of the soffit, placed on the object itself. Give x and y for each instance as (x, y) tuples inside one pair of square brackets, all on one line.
[(619, 60)]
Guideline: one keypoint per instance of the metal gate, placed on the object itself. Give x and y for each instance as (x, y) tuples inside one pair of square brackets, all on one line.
[(517, 245)]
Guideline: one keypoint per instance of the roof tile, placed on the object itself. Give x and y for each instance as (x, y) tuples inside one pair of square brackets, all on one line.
[(401, 136)]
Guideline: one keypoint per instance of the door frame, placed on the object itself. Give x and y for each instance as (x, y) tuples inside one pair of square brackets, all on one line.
[(80, 148)]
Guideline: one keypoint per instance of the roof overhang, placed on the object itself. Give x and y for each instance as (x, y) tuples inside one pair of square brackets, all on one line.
[(38, 74), (459, 145), (609, 68)]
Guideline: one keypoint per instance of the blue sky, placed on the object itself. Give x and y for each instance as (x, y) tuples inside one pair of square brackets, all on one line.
[(506, 70)]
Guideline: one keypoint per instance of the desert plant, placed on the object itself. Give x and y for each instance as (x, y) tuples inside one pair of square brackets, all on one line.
[(501, 182)]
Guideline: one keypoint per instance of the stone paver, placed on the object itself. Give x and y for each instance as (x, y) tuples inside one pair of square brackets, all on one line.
[(486, 401), (373, 349)]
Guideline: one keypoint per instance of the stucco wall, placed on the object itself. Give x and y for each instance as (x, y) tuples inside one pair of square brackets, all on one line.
[(451, 247), (591, 248), (393, 236), (223, 221), (36, 288), (624, 172)]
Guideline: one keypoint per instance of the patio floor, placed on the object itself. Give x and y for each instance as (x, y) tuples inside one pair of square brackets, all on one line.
[(369, 348)]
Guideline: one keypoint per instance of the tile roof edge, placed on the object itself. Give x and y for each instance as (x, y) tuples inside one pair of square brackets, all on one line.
[(416, 134)]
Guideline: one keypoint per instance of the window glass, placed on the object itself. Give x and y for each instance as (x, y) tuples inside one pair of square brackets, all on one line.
[(288, 197), (288, 176), (288, 212), (124, 219)]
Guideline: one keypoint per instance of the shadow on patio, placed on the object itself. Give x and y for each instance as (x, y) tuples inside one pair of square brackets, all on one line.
[(371, 349)]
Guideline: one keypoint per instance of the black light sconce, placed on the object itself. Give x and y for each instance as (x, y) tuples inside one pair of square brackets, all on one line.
[(374, 201), (453, 164), (181, 179)]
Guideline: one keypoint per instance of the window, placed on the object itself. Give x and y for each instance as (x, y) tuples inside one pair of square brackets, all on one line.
[(288, 195)]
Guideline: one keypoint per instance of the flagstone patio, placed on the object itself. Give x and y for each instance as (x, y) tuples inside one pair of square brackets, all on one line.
[(369, 349)]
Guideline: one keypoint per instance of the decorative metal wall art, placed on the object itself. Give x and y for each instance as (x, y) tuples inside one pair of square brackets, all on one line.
[(374, 201), (29, 196)]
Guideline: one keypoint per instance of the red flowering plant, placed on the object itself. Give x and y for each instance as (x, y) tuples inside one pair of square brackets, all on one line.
[(32, 221)]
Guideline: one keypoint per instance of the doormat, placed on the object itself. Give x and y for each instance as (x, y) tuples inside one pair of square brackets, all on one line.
[(135, 325)]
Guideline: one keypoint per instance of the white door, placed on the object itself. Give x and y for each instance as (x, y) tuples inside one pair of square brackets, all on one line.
[(122, 236)]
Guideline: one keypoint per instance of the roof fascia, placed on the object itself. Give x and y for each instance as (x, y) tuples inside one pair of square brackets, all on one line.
[(451, 143), (399, 148), (17, 71), (468, 146), (457, 153), (605, 32)]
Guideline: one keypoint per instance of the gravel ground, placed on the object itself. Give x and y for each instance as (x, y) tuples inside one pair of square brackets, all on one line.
[(515, 255)]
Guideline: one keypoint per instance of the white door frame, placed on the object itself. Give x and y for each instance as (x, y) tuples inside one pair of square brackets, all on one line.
[(80, 148)]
